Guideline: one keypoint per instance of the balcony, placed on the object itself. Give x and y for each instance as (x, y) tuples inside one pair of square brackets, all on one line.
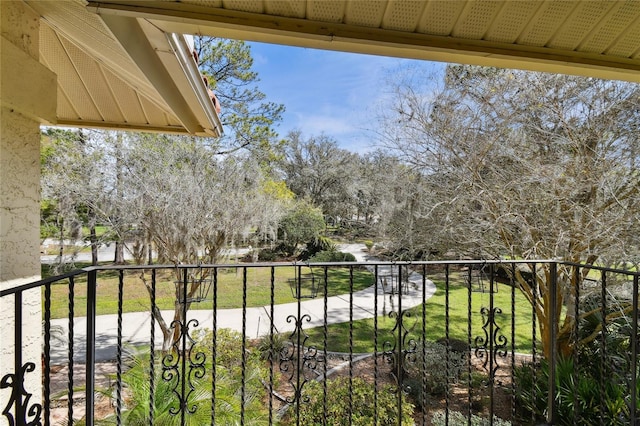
[(403, 343)]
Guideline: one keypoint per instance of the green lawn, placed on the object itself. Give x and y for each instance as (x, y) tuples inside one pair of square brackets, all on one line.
[(52, 231), (229, 292), (363, 330)]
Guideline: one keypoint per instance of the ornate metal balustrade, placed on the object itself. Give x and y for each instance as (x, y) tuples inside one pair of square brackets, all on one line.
[(444, 342)]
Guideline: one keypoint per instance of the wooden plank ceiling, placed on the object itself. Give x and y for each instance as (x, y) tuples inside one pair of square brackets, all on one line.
[(102, 82), (122, 73), (599, 38)]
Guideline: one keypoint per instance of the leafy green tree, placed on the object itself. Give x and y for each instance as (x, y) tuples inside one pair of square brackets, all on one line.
[(246, 115), (303, 223)]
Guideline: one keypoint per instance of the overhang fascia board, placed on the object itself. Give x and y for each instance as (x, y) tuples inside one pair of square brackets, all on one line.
[(558, 62), (107, 125), (131, 35), (190, 69), (220, 22)]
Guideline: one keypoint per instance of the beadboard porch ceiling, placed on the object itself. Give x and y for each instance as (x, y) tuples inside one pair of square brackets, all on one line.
[(122, 73), (599, 38), (117, 66)]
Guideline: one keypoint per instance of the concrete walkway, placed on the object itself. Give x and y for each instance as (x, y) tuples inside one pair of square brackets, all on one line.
[(136, 326), (106, 253)]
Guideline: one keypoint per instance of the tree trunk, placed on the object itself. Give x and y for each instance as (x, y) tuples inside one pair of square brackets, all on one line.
[(171, 333), (61, 239), (168, 335), (118, 257), (93, 237)]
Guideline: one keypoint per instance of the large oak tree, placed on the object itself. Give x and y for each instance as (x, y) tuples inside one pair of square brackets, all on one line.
[(522, 165)]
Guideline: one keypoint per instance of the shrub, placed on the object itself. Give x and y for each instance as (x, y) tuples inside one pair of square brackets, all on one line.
[(456, 345), (580, 391), (303, 223), (577, 394), (332, 256), (317, 245), (271, 348), (362, 398), (268, 254), (137, 378), (458, 419), (49, 230), (584, 390), (436, 375)]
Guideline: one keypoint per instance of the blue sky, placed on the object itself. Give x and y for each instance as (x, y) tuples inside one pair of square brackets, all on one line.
[(328, 92)]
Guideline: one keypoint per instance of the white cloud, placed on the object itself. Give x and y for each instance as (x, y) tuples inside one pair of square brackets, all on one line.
[(328, 92), (330, 125)]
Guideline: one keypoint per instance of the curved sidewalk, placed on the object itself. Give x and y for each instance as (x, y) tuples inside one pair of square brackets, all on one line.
[(136, 326)]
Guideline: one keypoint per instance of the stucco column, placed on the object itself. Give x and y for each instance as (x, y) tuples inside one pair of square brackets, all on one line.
[(28, 95)]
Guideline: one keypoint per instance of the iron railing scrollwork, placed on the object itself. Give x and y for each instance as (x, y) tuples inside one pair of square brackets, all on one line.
[(402, 350), (493, 344), (25, 413), (479, 357), (489, 347), (297, 359), (181, 366)]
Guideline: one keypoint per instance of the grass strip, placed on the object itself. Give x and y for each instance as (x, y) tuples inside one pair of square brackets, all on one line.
[(136, 297), (363, 330)]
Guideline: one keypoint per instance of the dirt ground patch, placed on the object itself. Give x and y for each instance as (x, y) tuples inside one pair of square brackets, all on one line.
[(105, 377), (458, 398), (375, 370)]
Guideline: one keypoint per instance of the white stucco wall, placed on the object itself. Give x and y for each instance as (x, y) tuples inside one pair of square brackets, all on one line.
[(28, 97), (20, 196), (19, 242)]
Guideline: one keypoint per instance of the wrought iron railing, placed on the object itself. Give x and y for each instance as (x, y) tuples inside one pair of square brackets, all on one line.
[(424, 342)]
